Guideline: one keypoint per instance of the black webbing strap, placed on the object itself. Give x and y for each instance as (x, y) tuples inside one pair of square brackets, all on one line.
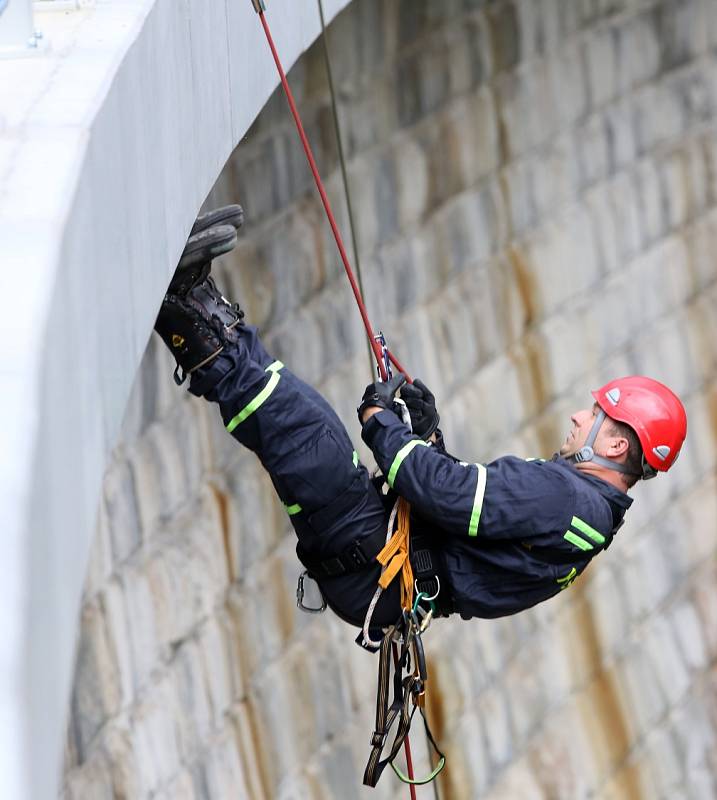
[(359, 555), (407, 695)]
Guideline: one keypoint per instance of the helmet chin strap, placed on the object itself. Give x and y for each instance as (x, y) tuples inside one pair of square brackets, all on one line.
[(586, 452)]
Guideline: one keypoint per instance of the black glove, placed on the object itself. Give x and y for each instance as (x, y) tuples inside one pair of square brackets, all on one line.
[(380, 394), (421, 405)]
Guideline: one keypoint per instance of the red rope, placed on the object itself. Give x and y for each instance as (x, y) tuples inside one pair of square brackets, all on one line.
[(344, 258), (325, 200)]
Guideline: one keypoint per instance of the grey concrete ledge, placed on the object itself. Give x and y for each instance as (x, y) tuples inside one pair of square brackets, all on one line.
[(111, 135)]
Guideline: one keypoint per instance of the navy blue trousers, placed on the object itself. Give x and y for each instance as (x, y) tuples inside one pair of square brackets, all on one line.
[(308, 454)]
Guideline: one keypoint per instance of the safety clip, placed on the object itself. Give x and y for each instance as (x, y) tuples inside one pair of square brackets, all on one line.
[(300, 596)]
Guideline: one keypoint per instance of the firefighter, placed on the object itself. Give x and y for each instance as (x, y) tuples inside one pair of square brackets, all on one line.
[(497, 538)]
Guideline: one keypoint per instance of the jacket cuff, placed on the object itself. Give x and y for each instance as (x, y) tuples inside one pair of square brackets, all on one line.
[(375, 423)]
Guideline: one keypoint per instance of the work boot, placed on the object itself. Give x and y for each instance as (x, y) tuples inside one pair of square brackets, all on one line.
[(196, 259), (195, 321), (226, 215), (193, 336)]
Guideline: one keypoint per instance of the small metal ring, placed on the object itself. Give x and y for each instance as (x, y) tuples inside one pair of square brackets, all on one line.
[(425, 596)]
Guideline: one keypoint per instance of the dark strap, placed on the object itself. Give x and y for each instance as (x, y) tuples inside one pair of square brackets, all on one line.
[(359, 555), (406, 693), (430, 574)]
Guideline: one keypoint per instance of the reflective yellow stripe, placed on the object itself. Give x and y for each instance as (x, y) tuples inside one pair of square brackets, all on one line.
[(291, 510), (400, 456), (584, 528), (356, 459), (577, 541), (478, 500), (566, 580), (263, 395)]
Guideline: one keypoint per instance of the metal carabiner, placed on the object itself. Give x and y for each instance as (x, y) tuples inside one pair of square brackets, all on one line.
[(300, 596)]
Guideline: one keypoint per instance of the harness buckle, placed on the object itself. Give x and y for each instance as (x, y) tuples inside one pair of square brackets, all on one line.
[(300, 596), (356, 555)]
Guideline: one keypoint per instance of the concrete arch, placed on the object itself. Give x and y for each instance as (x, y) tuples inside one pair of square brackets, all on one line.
[(110, 138)]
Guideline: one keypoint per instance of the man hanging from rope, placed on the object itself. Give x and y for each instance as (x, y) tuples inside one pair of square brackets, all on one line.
[(491, 539)]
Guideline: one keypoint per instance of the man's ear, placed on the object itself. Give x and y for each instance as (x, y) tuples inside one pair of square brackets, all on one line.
[(618, 446)]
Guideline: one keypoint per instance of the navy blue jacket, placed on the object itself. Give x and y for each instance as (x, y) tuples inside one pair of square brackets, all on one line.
[(512, 532)]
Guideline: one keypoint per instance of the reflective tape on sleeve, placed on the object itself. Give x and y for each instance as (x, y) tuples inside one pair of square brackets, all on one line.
[(478, 500), (400, 457), (294, 509), (573, 538), (262, 397), (586, 530)]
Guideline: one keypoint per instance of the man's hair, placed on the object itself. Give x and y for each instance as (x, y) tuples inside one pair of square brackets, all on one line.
[(633, 462)]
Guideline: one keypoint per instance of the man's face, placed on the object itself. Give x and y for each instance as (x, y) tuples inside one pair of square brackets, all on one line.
[(582, 422)]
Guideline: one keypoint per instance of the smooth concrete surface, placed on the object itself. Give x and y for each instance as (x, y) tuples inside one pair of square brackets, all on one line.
[(110, 138)]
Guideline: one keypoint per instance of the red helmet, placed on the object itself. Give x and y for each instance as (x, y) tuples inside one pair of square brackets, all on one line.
[(653, 411)]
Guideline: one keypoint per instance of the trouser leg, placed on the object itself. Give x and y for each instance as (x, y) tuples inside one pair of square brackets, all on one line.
[(306, 450)]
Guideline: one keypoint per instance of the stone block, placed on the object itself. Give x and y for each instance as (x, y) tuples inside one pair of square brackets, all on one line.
[(597, 202), (422, 83), (99, 567), (155, 743), (96, 690), (647, 577), (114, 610), (568, 75), (695, 737), (520, 121), (518, 780), (120, 509), (189, 687), (219, 666), (658, 116), (180, 787), (688, 632), (638, 51), (625, 204), (651, 205), (223, 769), (661, 767), (95, 781), (681, 32), (601, 58), (518, 187), (703, 594), (665, 660), (640, 696), (593, 149), (528, 699), (621, 133), (477, 132), (412, 181), (141, 624), (494, 709), (555, 176), (607, 606)]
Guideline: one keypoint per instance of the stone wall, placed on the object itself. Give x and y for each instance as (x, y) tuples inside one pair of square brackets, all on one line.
[(535, 185)]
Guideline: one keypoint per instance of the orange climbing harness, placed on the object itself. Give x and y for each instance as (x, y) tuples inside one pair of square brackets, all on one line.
[(394, 557)]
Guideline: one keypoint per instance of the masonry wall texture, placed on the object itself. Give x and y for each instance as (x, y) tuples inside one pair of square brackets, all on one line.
[(535, 188)]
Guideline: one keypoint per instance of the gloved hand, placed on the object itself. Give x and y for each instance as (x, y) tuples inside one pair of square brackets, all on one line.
[(421, 405), (381, 394)]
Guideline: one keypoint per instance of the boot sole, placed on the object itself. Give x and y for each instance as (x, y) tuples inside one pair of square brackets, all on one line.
[(207, 245), (226, 215)]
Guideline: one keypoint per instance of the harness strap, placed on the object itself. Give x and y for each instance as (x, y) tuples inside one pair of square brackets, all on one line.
[(407, 692), (358, 556), (394, 556)]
